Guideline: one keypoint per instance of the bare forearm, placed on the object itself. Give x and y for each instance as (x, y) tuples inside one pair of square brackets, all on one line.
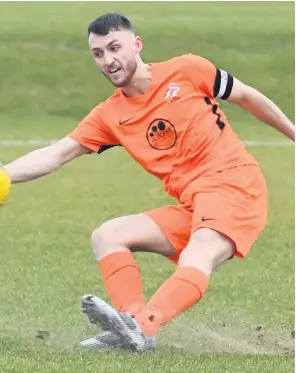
[(44, 161), (31, 166), (266, 111)]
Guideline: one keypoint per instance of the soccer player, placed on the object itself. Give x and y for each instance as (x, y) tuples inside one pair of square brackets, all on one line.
[(167, 118)]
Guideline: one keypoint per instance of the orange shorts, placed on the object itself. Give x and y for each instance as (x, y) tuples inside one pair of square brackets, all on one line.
[(233, 202)]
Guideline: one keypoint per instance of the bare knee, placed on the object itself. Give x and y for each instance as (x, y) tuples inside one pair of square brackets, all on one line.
[(132, 232), (108, 238)]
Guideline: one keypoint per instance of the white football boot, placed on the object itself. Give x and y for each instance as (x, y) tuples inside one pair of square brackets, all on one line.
[(120, 325), (105, 339)]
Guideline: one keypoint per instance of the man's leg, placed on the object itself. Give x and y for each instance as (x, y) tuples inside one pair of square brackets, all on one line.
[(165, 231), (113, 244), (206, 250)]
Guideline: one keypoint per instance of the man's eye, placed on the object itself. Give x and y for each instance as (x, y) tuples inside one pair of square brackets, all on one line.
[(114, 48)]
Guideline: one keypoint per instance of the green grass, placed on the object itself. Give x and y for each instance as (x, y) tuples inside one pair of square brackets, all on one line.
[(48, 83)]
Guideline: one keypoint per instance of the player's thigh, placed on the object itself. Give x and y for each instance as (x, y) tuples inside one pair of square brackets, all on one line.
[(207, 249), (135, 232)]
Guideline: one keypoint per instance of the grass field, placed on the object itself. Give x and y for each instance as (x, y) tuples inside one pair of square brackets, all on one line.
[(48, 83)]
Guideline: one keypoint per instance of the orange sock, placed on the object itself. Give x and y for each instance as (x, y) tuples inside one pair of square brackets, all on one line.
[(184, 289), (123, 281)]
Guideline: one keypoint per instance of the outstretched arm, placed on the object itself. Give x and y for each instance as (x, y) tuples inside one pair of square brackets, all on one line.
[(261, 107), (44, 161)]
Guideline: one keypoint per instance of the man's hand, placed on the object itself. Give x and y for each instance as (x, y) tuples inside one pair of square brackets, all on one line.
[(5, 184), (261, 107)]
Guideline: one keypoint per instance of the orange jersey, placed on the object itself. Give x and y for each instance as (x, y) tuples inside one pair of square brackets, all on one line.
[(175, 130)]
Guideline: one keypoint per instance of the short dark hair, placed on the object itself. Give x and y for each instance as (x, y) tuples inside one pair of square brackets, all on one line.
[(109, 22)]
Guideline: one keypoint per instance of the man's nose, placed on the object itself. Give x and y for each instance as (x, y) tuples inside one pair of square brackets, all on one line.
[(108, 59)]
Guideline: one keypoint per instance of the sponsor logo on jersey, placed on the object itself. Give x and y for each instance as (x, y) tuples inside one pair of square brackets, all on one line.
[(161, 134)]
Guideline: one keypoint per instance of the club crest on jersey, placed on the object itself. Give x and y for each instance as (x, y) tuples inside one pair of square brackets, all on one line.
[(161, 134), (172, 92)]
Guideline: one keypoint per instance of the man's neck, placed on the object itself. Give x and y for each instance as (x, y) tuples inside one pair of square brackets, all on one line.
[(140, 82)]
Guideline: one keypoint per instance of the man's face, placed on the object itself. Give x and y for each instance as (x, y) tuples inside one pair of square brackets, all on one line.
[(115, 55)]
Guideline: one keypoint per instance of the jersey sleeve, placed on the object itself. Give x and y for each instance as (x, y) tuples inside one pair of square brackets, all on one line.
[(206, 77), (93, 133)]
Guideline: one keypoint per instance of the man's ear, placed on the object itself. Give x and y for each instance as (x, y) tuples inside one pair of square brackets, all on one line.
[(138, 44)]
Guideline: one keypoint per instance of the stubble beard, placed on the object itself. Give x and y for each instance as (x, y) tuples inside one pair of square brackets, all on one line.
[(130, 69)]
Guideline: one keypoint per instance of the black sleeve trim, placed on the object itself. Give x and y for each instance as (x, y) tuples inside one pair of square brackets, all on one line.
[(228, 88), (106, 147), (217, 82)]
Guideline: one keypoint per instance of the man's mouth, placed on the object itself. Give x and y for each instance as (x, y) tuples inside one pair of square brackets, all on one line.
[(114, 71)]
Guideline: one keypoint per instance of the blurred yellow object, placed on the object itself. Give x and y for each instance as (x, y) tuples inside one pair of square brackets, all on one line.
[(5, 184)]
